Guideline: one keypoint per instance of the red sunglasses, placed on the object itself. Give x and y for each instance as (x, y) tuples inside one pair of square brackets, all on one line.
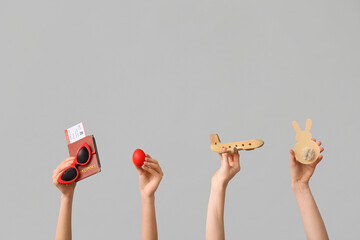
[(82, 157)]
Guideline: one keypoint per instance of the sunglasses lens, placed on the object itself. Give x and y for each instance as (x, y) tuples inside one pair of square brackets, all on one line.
[(83, 155), (69, 174)]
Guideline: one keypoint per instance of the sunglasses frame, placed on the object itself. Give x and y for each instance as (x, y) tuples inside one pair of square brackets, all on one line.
[(76, 163)]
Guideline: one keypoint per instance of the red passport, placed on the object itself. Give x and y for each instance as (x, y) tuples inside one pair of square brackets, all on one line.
[(93, 166)]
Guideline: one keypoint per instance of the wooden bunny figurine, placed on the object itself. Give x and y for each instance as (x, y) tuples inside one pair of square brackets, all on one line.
[(306, 150)]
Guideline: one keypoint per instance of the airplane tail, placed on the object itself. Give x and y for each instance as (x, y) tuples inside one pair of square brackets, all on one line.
[(214, 139)]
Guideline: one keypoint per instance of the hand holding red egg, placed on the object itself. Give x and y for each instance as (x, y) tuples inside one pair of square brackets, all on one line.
[(150, 173)]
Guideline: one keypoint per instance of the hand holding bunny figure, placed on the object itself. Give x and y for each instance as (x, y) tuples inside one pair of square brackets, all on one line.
[(303, 161)]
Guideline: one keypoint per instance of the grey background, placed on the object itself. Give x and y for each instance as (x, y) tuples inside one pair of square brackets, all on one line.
[(162, 76)]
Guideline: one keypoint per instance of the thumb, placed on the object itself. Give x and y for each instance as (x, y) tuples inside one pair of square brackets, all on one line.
[(292, 157), (139, 169)]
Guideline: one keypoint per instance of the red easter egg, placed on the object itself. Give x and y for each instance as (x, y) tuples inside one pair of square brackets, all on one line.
[(138, 157)]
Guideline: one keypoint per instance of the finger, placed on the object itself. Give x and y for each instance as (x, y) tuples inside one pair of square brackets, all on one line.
[(149, 159), (231, 159), (292, 153), (236, 157), (57, 174), (318, 143), (152, 171), (66, 163), (160, 171), (63, 168), (292, 157), (154, 166), (236, 161), (321, 149), (318, 160), (313, 139), (224, 160), (139, 169), (147, 155)]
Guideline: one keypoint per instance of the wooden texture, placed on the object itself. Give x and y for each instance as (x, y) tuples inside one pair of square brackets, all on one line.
[(303, 139), (233, 147)]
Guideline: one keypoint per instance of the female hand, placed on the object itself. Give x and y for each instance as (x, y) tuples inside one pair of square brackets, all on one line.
[(230, 166), (65, 190), (301, 173), (150, 176)]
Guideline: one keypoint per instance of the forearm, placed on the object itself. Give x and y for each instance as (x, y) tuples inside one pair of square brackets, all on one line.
[(148, 225), (215, 214), (63, 230), (313, 223)]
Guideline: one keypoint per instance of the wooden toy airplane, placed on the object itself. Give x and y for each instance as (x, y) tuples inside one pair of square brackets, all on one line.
[(233, 147)]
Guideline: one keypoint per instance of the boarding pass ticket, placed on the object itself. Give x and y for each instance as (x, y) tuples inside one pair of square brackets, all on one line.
[(75, 133)]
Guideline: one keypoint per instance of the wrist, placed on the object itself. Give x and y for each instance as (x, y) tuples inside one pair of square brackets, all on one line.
[(298, 186), (218, 185), (67, 196), (147, 197)]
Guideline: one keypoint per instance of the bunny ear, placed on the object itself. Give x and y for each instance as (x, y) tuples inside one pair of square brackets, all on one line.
[(308, 125), (296, 126)]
